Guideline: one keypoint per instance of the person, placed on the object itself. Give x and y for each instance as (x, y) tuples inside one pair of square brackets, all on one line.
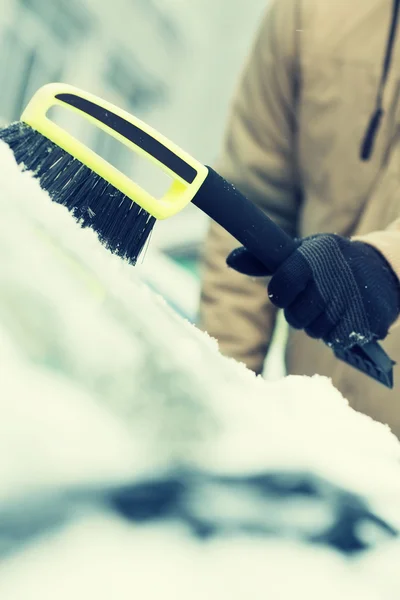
[(313, 138)]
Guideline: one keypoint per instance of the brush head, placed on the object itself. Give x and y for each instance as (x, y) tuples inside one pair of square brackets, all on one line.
[(122, 226)]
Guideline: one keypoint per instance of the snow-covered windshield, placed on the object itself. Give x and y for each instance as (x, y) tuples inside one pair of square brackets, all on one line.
[(136, 461)]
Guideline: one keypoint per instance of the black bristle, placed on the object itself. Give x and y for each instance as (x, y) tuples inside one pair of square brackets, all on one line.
[(122, 225)]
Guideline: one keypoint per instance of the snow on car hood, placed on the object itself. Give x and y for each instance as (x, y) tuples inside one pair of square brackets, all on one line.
[(103, 387)]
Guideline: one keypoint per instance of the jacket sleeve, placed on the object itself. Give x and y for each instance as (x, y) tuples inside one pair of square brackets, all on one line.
[(258, 158), (387, 242)]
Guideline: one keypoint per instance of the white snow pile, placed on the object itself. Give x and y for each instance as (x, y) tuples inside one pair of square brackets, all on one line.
[(137, 462)]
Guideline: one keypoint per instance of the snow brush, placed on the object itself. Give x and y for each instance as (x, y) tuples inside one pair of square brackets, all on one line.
[(123, 213)]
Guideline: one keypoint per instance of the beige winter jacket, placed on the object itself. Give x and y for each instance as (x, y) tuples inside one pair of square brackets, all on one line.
[(301, 110)]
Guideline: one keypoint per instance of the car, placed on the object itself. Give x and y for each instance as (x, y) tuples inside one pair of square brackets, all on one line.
[(137, 461)]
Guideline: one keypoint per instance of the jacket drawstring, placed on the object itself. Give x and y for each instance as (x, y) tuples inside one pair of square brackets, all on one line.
[(376, 118)]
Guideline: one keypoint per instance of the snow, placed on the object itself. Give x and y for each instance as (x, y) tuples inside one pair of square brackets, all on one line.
[(102, 383), (178, 286)]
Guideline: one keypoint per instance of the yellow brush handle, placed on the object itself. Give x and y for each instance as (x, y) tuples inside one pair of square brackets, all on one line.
[(187, 173)]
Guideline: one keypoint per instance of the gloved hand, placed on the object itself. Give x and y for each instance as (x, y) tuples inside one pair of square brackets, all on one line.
[(343, 292)]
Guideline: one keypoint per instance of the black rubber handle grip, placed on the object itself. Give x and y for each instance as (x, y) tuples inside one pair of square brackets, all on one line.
[(221, 201)]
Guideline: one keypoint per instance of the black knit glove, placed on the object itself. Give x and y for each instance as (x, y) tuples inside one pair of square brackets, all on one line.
[(343, 292)]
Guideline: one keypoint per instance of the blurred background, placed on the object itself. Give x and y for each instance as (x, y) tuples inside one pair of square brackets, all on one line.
[(173, 63)]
